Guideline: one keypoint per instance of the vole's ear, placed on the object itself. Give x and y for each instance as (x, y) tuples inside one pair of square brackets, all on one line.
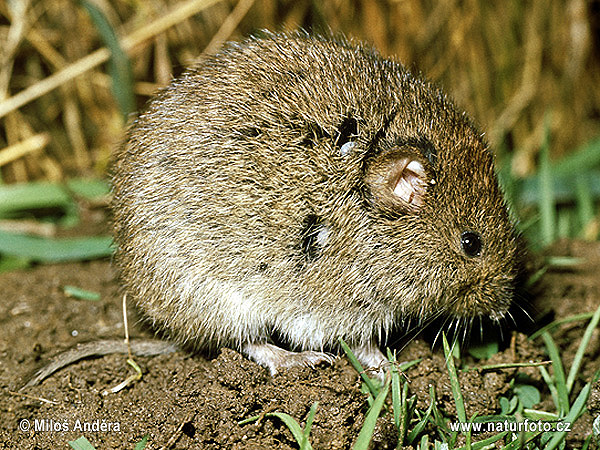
[(397, 182)]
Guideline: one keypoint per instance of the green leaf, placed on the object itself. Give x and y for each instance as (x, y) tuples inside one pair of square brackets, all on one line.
[(504, 406), (587, 336), (484, 351), (576, 410), (486, 442), (304, 444), (293, 426), (119, 65), (547, 204), (585, 200), (420, 426), (529, 395), (81, 294), (581, 160), (89, 188), (559, 322), (456, 392), (396, 388), (559, 374), (54, 250), (551, 386), (21, 197), (366, 432), (9, 263), (300, 435), (535, 414), (142, 444), (81, 444), (566, 174), (373, 389)]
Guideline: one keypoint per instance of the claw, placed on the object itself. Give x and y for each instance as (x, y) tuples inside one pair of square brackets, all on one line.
[(275, 358)]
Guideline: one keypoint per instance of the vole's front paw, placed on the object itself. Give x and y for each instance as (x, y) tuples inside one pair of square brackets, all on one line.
[(275, 358)]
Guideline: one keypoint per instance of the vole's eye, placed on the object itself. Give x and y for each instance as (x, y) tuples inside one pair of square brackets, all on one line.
[(471, 243)]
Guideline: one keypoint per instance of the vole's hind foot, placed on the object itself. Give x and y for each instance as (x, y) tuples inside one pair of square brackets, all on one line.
[(275, 358), (373, 361)]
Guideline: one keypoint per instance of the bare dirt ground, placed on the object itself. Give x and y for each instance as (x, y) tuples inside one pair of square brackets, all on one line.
[(191, 401)]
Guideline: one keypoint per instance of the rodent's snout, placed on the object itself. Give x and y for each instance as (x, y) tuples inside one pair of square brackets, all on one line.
[(489, 296)]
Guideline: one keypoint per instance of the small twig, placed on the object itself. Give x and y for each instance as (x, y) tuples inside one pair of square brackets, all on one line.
[(16, 151), (28, 227), (138, 372), (33, 397), (126, 325), (177, 434), (102, 55), (229, 25)]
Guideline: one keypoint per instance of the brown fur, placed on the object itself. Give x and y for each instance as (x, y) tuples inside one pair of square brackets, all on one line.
[(228, 177)]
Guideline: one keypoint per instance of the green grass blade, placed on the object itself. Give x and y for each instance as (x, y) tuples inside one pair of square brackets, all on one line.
[(420, 426), (10, 263), (396, 388), (373, 389), (249, 420), (587, 336), (408, 364), (564, 172), (142, 444), (564, 223), (585, 201), (293, 426), (81, 294), (504, 366), (299, 434), (521, 440), (535, 414), (456, 392), (546, 204), (576, 410), (438, 418), (89, 188), (366, 432), (32, 196), (81, 444), (559, 322), (537, 276), (405, 414), (563, 262), (564, 187), (486, 442), (579, 161), (559, 374), (551, 386), (586, 443), (119, 65), (54, 250), (304, 444)]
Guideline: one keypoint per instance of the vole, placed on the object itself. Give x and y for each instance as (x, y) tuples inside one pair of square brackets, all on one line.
[(309, 189)]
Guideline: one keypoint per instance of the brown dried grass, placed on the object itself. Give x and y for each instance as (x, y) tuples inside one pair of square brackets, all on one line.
[(508, 63)]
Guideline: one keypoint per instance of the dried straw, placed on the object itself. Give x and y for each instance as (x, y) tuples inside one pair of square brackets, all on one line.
[(508, 64)]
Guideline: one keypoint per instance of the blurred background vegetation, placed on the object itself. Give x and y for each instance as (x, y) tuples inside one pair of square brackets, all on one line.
[(527, 71)]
